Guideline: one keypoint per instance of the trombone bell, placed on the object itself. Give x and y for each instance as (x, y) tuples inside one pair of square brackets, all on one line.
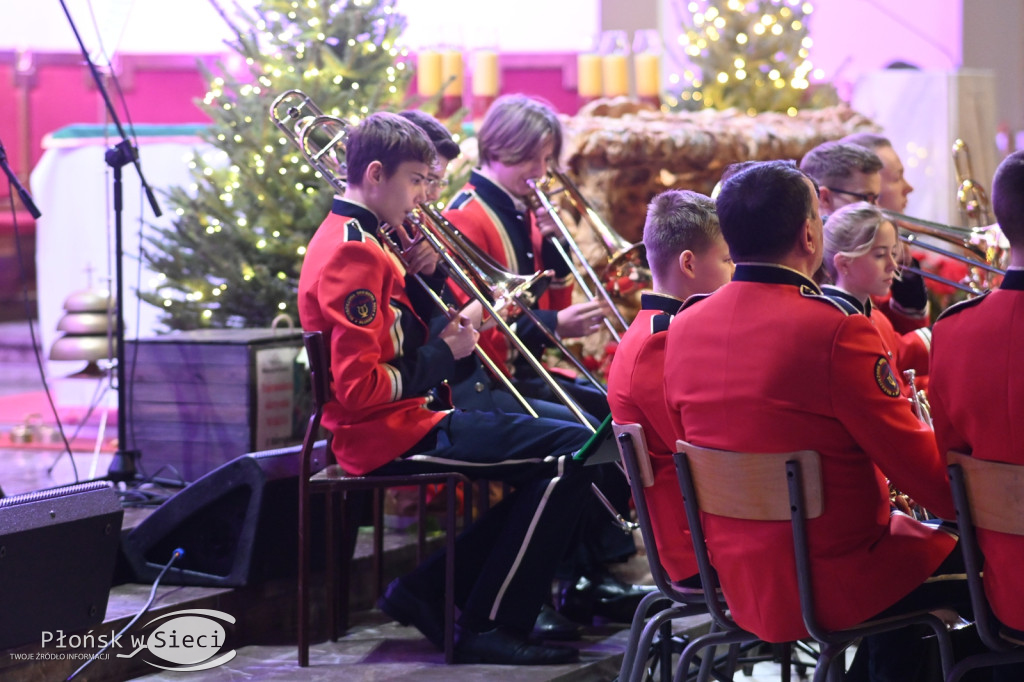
[(320, 138)]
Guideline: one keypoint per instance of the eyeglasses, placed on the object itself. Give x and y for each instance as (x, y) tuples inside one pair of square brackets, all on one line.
[(870, 197), (437, 183)]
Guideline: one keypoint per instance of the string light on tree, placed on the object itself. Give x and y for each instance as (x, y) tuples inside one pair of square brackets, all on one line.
[(752, 55), (233, 253)]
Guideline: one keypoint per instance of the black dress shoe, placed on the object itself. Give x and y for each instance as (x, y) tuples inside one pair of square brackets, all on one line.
[(602, 595), (408, 608), (504, 647), (553, 625)]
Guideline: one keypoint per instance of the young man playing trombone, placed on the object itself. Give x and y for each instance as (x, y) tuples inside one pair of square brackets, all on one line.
[(390, 415), (519, 140)]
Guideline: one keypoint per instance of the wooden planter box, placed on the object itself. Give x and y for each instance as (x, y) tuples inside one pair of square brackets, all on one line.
[(198, 399)]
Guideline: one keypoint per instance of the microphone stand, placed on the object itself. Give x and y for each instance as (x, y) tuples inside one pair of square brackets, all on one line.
[(26, 198), (123, 468)]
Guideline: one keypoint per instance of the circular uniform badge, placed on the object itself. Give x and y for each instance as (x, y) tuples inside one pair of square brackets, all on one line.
[(361, 307), (885, 378)]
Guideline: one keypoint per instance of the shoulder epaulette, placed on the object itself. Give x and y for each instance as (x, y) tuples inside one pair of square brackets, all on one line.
[(460, 199), (696, 298), (962, 305), (352, 231), (836, 301), (659, 323)]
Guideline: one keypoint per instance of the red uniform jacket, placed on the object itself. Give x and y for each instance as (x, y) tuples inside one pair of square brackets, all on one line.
[(908, 351), (488, 216), (636, 395), (977, 399), (382, 365), (767, 364)]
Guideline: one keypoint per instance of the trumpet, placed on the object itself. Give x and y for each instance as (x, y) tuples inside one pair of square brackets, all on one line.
[(964, 246), (623, 261)]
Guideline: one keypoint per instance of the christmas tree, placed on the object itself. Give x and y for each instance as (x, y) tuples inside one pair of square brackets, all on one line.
[(751, 55), (233, 254)]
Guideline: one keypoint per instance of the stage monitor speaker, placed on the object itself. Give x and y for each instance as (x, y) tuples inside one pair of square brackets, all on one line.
[(238, 524), (58, 549)]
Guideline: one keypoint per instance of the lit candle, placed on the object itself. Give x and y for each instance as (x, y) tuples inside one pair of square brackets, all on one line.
[(616, 75), (485, 73), (451, 72), (588, 75), (647, 66), (428, 73)]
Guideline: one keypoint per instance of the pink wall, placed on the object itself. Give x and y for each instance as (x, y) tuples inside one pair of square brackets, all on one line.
[(853, 37)]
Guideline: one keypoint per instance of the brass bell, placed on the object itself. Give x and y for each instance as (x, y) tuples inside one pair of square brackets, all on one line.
[(86, 325)]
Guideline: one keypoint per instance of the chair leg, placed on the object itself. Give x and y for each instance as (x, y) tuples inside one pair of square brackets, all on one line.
[(945, 644), (378, 542), (785, 662), (635, 627), (335, 577), (710, 639), (449, 574), (825, 670), (302, 615), (666, 651), (646, 639)]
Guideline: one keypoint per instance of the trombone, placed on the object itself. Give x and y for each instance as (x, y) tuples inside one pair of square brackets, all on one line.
[(386, 234), (318, 136), (298, 116), (624, 261), (302, 121), (984, 264), (971, 197), (508, 290), (321, 138)]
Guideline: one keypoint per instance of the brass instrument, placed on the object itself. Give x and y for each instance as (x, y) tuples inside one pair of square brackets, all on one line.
[(971, 197), (476, 272), (624, 261), (918, 399), (320, 138), (984, 264), (386, 234), (509, 292)]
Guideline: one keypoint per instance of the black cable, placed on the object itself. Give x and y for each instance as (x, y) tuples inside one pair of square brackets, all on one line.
[(175, 555)]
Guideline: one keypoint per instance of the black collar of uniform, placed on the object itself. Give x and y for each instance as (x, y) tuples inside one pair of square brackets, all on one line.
[(491, 193), (366, 218), (650, 300), (836, 292), (772, 273), (1014, 280)]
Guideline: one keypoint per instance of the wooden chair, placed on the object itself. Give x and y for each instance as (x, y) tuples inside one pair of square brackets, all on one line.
[(987, 495), (333, 482), (782, 487)]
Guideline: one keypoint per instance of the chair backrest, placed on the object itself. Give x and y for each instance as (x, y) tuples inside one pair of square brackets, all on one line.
[(987, 495), (319, 367), (636, 459), (320, 378), (756, 487), (634, 434), (995, 492), (751, 486)]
